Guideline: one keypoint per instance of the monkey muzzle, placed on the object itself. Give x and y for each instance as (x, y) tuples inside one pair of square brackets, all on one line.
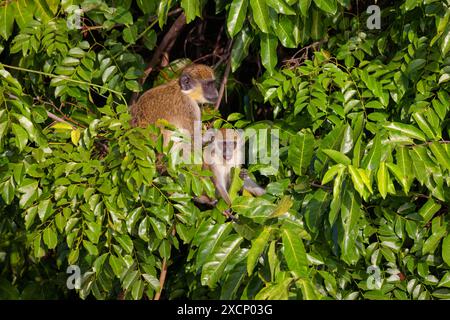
[(212, 98)]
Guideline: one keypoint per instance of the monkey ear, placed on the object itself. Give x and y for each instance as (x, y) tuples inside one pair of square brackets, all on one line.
[(185, 82)]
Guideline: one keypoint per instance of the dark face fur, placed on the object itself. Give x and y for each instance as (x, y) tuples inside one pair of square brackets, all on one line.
[(228, 148)]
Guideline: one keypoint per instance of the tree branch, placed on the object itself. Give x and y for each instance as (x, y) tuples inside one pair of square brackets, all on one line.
[(56, 118), (225, 77), (163, 49), (162, 279)]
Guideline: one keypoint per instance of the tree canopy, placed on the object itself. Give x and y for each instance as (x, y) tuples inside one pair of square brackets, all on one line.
[(355, 97)]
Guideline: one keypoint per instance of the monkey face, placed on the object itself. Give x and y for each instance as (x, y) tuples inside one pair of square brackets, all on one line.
[(228, 148), (197, 82)]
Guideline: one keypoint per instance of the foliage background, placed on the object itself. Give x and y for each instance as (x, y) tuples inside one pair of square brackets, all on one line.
[(364, 151)]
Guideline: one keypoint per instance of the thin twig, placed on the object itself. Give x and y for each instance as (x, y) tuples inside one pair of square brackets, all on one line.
[(317, 185), (56, 118), (164, 47), (162, 279), (225, 78)]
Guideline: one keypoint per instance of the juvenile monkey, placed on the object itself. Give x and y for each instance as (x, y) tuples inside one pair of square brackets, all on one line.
[(225, 151), (177, 101)]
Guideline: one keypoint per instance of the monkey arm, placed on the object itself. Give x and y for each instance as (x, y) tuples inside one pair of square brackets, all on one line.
[(223, 193), (204, 199), (250, 185), (219, 183)]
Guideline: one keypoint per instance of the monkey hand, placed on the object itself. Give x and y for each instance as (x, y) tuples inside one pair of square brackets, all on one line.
[(227, 213)]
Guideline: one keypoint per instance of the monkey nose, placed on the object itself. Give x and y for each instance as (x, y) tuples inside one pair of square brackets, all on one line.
[(213, 99)]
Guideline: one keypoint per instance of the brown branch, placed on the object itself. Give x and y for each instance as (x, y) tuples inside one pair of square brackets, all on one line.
[(318, 185), (56, 118), (163, 49), (162, 279), (225, 77), (295, 62)]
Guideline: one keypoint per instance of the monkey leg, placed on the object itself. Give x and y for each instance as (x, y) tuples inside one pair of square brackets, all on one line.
[(160, 164), (250, 185)]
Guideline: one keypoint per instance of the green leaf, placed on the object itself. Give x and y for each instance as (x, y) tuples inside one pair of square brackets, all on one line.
[(218, 260), (357, 178), (283, 206), (294, 252), (8, 291), (308, 290), (8, 191), (280, 6), (233, 282), (6, 20), (332, 172), (446, 250), (241, 44), (21, 136), (445, 42), (430, 245), (45, 209), (210, 241), (50, 237), (109, 72), (429, 209), (236, 183), (137, 290), (29, 188), (257, 248), (146, 6), (329, 6), (406, 129), (164, 249), (152, 281), (335, 205), (285, 31), (269, 57), (314, 209), (191, 9), (23, 12), (350, 213), (304, 7), (316, 24), (440, 154), (337, 156), (404, 164), (445, 281), (75, 136), (275, 291), (410, 4), (300, 152), (372, 160), (125, 242), (260, 14), (236, 16), (383, 179), (129, 279), (424, 125), (91, 248), (416, 64), (257, 209), (117, 265)]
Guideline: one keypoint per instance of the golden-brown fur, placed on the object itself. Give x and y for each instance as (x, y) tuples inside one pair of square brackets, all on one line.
[(170, 102)]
